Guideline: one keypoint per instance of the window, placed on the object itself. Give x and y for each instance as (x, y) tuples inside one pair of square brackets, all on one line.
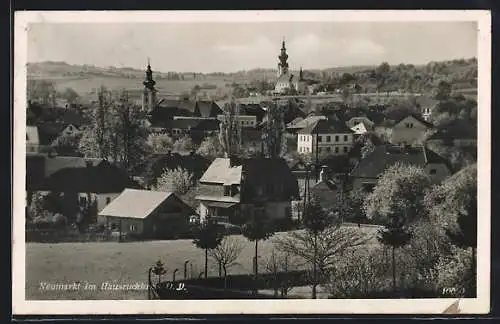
[(328, 138), (328, 149), (346, 138), (346, 149), (133, 228), (320, 138), (227, 190), (108, 200), (336, 138), (336, 149), (320, 149), (432, 171)]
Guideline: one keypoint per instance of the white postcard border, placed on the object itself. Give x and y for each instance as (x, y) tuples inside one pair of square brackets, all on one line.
[(478, 305)]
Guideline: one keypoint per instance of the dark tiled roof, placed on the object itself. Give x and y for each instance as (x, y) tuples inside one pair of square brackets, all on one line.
[(207, 109), (253, 110), (385, 155), (326, 127), (264, 172), (40, 166), (102, 178), (456, 129)]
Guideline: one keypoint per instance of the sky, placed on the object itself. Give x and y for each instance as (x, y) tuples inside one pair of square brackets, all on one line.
[(228, 47)]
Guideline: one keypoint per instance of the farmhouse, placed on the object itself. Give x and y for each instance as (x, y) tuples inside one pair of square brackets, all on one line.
[(96, 182), (234, 190), (147, 214), (410, 130), (366, 173)]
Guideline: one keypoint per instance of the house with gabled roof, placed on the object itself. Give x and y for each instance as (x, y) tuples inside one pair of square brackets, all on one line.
[(410, 130), (327, 136), (147, 214), (368, 170), (96, 181), (234, 190)]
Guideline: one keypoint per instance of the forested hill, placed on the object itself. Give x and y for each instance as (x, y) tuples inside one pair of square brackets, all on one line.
[(461, 73)]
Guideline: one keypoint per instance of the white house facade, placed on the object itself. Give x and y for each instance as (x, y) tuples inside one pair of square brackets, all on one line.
[(327, 136)]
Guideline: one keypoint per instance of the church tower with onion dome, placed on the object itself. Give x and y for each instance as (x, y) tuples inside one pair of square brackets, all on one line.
[(149, 92)]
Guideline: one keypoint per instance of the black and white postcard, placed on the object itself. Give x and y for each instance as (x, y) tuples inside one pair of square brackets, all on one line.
[(255, 162)]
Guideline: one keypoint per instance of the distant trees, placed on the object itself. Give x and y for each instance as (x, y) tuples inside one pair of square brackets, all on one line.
[(70, 95), (442, 91), (41, 91)]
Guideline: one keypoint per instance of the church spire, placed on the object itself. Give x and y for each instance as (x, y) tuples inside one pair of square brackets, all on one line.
[(283, 65), (149, 93)]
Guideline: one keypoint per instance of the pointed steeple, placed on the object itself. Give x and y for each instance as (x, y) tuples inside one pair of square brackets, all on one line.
[(149, 82), (283, 57), (149, 93)]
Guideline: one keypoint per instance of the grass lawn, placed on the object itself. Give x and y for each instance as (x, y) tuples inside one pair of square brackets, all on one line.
[(119, 263)]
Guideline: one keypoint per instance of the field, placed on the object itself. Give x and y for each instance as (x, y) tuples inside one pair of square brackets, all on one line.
[(122, 263), (85, 85)]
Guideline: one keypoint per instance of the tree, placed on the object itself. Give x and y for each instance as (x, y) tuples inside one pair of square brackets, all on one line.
[(333, 241), (454, 202), (70, 95), (178, 180), (207, 237), (211, 148), (230, 132), (279, 263), (184, 144), (258, 227), (131, 131), (442, 91), (159, 270), (160, 143), (40, 91), (367, 148), (273, 133), (226, 254), (315, 220), (67, 144), (353, 206), (396, 202)]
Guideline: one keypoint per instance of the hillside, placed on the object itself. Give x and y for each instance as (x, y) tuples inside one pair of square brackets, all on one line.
[(85, 79)]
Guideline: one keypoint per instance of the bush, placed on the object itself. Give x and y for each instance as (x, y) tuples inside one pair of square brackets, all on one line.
[(357, 274), (455, 271)]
